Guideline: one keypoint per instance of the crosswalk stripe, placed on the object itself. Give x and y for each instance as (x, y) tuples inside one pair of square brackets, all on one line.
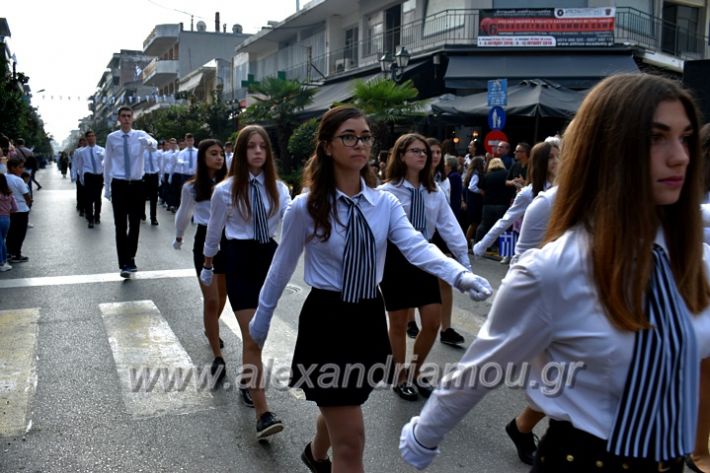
[(278, 350), (93, 278), (18, 373), (156, 374)]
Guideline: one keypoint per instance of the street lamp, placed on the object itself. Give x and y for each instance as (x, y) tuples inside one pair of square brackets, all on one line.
[(396, 64), (14, 67)]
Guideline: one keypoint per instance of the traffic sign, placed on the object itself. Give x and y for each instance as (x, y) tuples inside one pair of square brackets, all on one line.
[(496, 118), (498, 92), (492, 139)]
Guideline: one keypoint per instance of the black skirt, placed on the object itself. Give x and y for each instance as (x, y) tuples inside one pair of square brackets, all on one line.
[(219, 263), (405, 286), (248, 263), (342, 350)]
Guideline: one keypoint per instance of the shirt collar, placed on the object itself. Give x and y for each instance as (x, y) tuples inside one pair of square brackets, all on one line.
[(405, 183), (661, 239), (260, 178), (367, 192)]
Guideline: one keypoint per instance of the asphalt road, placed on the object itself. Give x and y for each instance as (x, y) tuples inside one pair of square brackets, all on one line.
[(64, 405)]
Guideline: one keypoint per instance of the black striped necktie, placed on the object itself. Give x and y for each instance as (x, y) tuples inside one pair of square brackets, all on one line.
[(359, 259), (417, 214), (261, 222), (657, 414)]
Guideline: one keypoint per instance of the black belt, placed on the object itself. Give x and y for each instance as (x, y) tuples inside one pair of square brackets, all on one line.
[(128, 181)]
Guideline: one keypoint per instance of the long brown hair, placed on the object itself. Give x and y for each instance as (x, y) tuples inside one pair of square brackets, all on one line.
[(239, 172), (319, 173), (606, 174), (396, 170), (538, 165), (202, 183)]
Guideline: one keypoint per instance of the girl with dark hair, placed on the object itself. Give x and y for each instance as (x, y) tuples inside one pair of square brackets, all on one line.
[(7, 207), (195, 204), (344, 224), (620, 287), (544, 158), (410, 180), (247, 206)]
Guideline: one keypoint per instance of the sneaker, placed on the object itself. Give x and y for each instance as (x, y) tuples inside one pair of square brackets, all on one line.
[(154, 222), (125, 272), (219, 367), (267, 425), (19, 259), (524, 443), (132, 267), (406, 391), (450, 337), (412, 329), (316, 466), (246, 397), (5, 267), (505, 260)]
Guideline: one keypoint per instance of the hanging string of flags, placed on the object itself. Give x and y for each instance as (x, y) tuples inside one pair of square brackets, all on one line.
[(155, 98)]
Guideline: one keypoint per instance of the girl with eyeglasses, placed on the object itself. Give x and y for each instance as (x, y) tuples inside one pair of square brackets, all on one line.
[(409, 179), (248, 206), (343, 225)]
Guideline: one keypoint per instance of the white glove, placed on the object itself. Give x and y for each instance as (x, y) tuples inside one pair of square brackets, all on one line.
[(412, 451), (177, 244), (478, 288), (206, 276), (259, 327), (478, 249)]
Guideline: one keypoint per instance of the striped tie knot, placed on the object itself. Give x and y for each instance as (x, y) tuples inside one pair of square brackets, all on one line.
[(261, 222), (359, 257)]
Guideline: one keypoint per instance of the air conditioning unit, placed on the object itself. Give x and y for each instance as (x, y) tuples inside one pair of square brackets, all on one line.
[(345, 64)]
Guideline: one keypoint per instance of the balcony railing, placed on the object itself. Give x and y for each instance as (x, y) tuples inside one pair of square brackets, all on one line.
[(460, 27)]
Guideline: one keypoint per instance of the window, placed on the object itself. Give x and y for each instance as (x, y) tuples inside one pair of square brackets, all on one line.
[(350, 51), (375, 28), (680, 27)]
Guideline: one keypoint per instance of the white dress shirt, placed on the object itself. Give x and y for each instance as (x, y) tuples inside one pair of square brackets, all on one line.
[(535, 220), (473, 184), (83, 161), (547, 310), (74, 171), (114, 167), (189, 207), (515, 211), (323, 264), (168, 164), (228, 157), (445, 187), (182, 162), (151, 161), (223, 214), (439, 216)]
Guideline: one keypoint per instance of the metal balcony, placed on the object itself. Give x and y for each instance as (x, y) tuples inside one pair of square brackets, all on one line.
[(158, 73), (161, 39)]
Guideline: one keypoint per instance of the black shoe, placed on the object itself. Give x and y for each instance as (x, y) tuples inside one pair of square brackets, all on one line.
[(218, 367), (424, 387), (132, 267), (97, 220), (125, 272), (316, 466), (524, 443), (412, 329), (450, 337), (91, 224), (154, 221), (267, 425), (19, 259), (406, 391), (691, 464), (246, 397)]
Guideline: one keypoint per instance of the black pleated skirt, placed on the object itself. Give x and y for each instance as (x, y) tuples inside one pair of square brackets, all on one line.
[(219, 262), (248, 263), (342, 350), (405, 286)]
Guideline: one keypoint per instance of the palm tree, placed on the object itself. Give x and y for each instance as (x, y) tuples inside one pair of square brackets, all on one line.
[(386, 103), (279, 101)]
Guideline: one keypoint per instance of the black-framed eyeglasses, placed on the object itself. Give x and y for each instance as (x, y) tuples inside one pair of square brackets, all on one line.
[(351, 140)]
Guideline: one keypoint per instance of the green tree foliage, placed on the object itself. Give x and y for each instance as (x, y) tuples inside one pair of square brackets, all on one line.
[(387, 104), (18, 119), (201, 119), (279, 102), (302, 142)]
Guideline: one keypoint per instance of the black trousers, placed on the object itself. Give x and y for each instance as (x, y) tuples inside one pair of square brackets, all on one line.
[(16, 234), (128, 201), (150, 184), (80, 200), (93, 184)]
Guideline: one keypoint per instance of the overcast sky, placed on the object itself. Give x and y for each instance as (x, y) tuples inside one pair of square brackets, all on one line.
[(64, 46)]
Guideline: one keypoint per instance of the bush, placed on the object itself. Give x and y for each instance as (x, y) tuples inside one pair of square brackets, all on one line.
[(302, 142)]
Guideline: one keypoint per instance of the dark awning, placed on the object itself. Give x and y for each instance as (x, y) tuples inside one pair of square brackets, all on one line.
[(577, 71), (341, 91)]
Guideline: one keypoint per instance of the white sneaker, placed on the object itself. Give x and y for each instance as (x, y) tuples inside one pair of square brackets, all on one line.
[(5, 267)]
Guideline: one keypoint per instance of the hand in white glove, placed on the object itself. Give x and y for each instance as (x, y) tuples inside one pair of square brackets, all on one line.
[(478, 249), (177, 244), (412, 451), (478, 288), (206, 276), (259, 327)]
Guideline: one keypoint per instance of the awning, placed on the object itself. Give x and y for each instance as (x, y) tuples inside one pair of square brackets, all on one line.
[(577, 71), (336, 92), (191, 83)]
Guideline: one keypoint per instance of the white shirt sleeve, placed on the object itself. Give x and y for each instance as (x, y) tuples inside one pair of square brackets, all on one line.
[(518, 327), (473, 184), (514, 212), (108, 162), (218, 218), (535, 221), (184, 212), (450, 231)]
